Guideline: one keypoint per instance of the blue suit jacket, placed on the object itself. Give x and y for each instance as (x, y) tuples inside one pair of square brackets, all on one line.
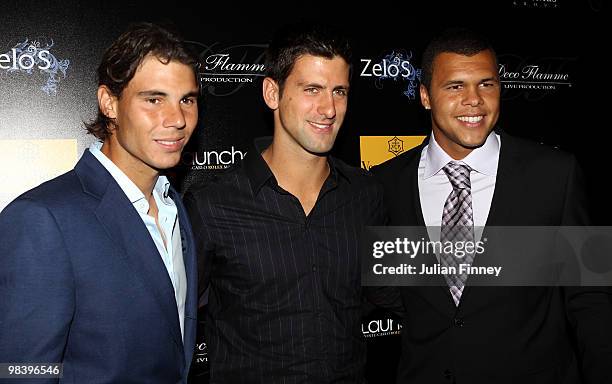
[(82, 283)]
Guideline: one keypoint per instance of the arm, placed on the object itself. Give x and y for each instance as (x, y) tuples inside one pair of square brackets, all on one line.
[(387, 298), (589, 308), (36, 287), (203, 245)]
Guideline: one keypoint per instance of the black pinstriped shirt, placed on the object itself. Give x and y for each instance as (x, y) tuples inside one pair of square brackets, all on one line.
[(284, 303)]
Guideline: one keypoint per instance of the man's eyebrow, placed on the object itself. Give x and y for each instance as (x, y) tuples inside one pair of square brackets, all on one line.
[(320, 86), (315, 85), (152, 93), (492, 78), (191, 94), (453, 82), (461, 82)]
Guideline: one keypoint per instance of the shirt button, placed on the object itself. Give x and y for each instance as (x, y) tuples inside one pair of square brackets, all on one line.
[(448, 375), (458, 322), (314, 267)]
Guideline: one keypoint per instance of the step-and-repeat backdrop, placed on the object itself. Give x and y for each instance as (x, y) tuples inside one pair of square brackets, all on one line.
[(552, 72)]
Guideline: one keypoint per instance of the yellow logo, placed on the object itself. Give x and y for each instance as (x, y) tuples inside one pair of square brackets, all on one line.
[(28, 163), (378, 149)]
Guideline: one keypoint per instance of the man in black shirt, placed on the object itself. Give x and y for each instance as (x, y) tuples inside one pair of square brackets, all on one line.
[(278, 234)]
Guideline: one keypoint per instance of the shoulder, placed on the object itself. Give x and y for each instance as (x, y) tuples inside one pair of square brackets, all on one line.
[(405, 160), (55, 199), (527, 146), (360, 181), (220, 186), (55, 193), (354, 174), (536, 155)]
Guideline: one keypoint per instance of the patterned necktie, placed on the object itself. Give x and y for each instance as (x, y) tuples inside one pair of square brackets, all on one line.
[(457, 224)]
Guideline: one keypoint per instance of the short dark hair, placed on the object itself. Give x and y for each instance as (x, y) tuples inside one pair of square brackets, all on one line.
[(461, 41), (124, 56), (295, 40)]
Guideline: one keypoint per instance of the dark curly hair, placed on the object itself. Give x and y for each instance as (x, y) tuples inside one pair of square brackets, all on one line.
[(122, 58)]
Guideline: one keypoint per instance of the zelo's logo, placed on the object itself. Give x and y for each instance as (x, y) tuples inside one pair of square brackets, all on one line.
[(394, 66), (383, 327), (28, 56), (26, 61), (387, 68)]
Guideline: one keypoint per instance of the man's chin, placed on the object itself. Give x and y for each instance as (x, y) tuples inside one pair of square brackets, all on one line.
[(473, 146), (474, 143), (319, 150), (161, 166)]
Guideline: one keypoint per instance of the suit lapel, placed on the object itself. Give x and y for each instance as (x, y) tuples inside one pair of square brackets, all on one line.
[(413, 206), (191, 272), (507, 184), (131, 238), (503, 206)]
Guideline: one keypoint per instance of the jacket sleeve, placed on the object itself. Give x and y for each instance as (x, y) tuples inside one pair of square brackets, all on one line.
[(203, 243), (589, 308), (384, 297), (37, 294)]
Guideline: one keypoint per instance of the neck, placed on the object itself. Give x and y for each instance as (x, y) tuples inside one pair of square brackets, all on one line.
[(296, 170), (455, 151), (140, 174)]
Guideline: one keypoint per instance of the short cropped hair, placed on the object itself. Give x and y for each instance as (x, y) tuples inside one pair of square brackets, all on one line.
[(461, 41)]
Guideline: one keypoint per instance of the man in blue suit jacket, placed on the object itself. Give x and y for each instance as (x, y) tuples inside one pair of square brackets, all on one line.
[(98, 270)]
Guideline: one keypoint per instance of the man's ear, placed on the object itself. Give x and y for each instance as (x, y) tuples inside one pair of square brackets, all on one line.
[(424, 97), (271, 93), (107, 102)]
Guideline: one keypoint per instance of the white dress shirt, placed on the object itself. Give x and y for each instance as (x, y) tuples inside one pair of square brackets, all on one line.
[(434, 186), (171, 252)]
